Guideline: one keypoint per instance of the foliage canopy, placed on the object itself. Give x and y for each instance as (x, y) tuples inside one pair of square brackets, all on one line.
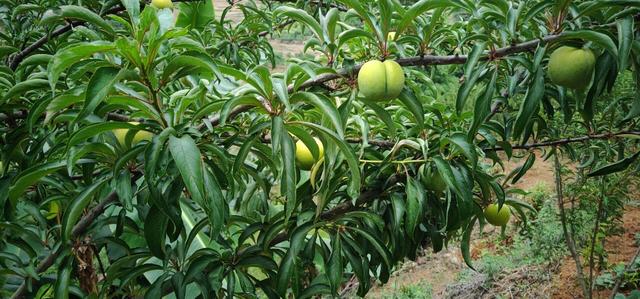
[(214, 204)]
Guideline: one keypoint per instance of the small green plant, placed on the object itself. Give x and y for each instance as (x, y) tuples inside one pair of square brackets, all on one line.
[(420, 290), (493, 265), (538, 194), (544, 241), (635, 294), (630, 278)]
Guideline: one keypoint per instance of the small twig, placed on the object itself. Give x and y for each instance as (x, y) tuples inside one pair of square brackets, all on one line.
[(621, 276)]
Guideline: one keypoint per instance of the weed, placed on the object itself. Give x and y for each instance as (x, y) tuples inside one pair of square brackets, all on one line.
[(420, 290)]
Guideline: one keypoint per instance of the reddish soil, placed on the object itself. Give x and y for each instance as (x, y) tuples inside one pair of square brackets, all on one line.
[(620, 249), (434, 271), (540, 173)]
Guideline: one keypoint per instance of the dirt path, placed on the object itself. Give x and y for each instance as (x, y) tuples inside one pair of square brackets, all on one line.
[(286, 49), (234, 14), (433, 272)]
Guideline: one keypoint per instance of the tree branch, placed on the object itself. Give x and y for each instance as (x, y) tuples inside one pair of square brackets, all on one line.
[(20, 56), (387, 144), (78, 229), (564, 141), (365, 197), (410, 61)]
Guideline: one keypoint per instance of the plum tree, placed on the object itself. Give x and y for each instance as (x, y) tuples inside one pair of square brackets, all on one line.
[(217, 201)]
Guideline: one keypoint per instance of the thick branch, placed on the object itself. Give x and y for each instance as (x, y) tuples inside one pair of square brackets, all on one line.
[(436, 60)]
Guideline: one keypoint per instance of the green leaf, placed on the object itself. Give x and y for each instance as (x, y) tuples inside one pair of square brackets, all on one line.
[(468, 149), (287, 266), (236, 101), (133, 9), (72, 54), (183, 65), (155, 227), (307, 139), (259, 261), (30, 176), (483, 105), (143, 107), (467, 86), (378, 245), (626, 29), (35, 59), (347, 35), (414, 105), (384, 116), (23, 87), (60, 102), (448, 175), (63, 279), (605, 67), (66, 12), (302, 17), (96, 129), (615, 167), (335, 267), (589, 7), (75, 208), (289, 179), (325, 106), (215, 205), (187, 156), (597, 38), (415, 200), (465, 243), (473, 58), (530, 105), (421, 7), (197, 14), (124, 190), (522, 170), (98, 89)]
